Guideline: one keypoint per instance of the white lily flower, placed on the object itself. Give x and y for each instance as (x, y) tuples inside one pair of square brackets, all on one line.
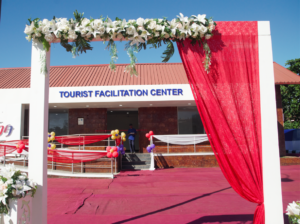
[(173, 26), (122, 26), (203, 29), (182, 36), (21, 188), (293, 209), (152, 25), (183, 18), (28, 37), (131, 30), (3, 197), (200, 18), (140, 21), (111, 26), (96, 24), (85, 22), (71, 36), (147, 20), (158, 27), (186, 29), (136, 39), (145, 33), (29, 29)]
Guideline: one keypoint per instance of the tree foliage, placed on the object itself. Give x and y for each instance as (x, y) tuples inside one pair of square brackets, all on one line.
[(290, 95)]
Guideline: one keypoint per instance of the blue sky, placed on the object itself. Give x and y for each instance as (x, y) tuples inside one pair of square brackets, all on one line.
[(15, 50)]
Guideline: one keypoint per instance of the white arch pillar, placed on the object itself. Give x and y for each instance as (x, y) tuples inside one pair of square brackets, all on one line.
[(38, 130)]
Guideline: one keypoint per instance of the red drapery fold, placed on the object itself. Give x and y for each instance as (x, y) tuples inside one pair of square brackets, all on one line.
[(73, 156), (80, 140), (228, 101), (7, 149)]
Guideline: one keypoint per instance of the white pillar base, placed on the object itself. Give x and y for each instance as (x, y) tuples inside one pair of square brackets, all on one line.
[(152, 166), (20, 211)]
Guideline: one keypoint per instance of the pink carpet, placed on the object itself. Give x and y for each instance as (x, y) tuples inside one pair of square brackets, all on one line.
[(180, 195)]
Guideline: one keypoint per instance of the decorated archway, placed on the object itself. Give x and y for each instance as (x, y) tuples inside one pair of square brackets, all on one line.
[(229, 67)]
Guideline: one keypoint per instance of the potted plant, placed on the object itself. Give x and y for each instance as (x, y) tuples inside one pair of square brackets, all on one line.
[(16, 192)]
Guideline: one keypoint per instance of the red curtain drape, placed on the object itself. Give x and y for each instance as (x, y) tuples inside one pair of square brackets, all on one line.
[(228, 101), (80, 140)]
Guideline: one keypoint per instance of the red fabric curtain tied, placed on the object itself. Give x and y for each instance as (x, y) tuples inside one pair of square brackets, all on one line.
[(73, 156), (228, 101)]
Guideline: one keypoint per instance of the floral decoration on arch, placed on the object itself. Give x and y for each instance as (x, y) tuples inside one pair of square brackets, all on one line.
[(75, 34)]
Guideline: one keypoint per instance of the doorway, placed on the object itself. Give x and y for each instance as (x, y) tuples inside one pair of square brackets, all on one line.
[(117, 119)]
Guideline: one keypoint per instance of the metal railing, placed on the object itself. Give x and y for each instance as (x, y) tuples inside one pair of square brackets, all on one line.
[(174, 146)]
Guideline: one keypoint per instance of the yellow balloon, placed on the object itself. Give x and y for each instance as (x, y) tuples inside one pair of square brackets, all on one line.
[(123, 135), (53, 146), (117, 131), (52, 133), (52, 138), (124, 139), (113, 132), (48, 139), (113, 137)]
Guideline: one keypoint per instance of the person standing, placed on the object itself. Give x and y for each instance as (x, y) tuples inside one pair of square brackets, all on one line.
[(131, 134)]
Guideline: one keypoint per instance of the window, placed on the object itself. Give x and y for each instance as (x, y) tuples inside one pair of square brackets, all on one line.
[(59, 122), (189, 121)]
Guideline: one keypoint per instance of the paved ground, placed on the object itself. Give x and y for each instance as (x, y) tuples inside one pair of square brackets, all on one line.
[(181, 195)]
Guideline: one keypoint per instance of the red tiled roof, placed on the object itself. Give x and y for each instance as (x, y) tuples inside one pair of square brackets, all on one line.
[(101, 75), (284, 76), (97, 75)]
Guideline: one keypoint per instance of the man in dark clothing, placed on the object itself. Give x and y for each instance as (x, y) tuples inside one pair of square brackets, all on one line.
[(131, 137)]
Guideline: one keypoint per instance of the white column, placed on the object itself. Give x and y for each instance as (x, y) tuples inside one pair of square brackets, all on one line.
[(38, 130), (270, 148)]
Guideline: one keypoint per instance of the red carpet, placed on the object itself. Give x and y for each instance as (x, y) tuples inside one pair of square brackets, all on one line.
[(186, 195)]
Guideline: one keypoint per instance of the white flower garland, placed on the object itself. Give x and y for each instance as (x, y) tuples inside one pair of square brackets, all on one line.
[(139, 33)]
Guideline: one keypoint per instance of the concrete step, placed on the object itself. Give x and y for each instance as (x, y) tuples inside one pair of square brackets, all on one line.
[(136, 157), (125, 163), (135, 167)]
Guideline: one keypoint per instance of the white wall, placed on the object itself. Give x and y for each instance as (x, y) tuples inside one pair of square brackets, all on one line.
[(10, 114)]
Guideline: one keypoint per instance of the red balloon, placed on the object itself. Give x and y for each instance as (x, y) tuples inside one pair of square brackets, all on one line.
[(109, 155), (20, 143), (115, 154), (115, 149), (147, 135), (22, 146), (19, 150), (108, 148), (151, 133)]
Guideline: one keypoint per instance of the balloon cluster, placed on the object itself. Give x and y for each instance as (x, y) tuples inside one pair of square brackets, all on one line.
[(150, 148), (148, 135), (115, 135), (20, 146), (51, 136), (112, 152), (51, 146), (121, 149)]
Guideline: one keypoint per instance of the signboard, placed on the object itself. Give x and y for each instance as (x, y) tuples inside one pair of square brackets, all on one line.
[(122, 93), (80, 121)]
